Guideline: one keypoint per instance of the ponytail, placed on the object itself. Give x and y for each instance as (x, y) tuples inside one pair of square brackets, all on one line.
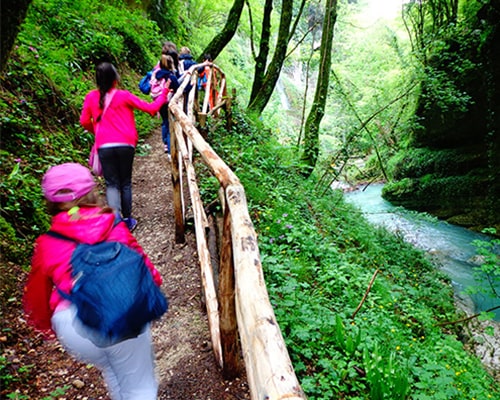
[(106, 76)]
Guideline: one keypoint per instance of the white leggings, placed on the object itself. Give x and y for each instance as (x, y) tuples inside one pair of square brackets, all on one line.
[(127, 367)]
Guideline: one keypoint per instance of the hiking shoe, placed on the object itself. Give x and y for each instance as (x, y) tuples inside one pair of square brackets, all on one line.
[(169, 157), (131, 223)]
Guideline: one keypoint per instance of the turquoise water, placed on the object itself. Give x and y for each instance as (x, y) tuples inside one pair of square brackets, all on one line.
[(450, 245)]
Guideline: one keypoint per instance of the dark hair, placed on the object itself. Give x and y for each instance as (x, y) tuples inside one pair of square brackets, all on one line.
[(170, 49), (207, 57), (105, 77)]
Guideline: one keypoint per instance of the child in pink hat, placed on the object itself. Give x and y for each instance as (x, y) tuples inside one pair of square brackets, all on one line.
[(128, 366)]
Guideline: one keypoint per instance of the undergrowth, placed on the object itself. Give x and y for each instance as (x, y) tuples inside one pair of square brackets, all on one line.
[(319, 256), (42, 88), (318, 253)]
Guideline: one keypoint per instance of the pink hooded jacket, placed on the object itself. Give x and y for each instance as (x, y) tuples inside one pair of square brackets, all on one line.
[(118, 124), (51, 260)]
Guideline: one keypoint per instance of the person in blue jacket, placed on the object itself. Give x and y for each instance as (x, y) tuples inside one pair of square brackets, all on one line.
[(186, 61), (167, 72)]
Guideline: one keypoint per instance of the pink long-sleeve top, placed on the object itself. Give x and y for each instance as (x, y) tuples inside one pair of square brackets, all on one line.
[(118, 123), (50, 266)]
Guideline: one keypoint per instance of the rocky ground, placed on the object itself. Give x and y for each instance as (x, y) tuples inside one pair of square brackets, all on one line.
[(186, 365)]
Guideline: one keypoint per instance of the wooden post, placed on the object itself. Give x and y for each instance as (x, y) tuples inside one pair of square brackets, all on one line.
[(177, 187), (207, 278), (206, 104), (227, 311), (269, 368)]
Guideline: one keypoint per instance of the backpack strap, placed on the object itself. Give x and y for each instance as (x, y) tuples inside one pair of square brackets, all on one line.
[(58, 235)]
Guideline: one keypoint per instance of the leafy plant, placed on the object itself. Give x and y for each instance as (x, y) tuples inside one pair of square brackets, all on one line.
[(55, 394), (387, 378), (318, 256), (487, 274)]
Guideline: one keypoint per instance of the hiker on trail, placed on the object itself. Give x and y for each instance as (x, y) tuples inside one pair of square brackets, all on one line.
[(127, 366), (167, 78), (203, 73), (170, 49), (108, 113), (186, 61)]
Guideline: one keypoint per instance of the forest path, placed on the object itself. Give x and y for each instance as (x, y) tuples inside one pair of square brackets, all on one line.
[(185, 363)]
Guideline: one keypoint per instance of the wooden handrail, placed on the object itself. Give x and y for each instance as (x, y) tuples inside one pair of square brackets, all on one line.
[(240, 305)]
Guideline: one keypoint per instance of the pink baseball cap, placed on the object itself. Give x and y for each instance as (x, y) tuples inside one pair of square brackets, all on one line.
[(67, 182)]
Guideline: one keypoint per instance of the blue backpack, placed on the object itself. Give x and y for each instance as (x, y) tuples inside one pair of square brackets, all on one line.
[(145, 83), (113, 291)]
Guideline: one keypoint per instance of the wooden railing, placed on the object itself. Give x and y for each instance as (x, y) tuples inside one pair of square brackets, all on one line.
[(238, 306)]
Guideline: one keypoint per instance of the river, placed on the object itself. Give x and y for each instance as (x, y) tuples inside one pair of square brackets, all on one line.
[(450, 245)]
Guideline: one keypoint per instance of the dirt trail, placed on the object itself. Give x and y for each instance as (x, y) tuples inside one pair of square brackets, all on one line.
[(186, 365)]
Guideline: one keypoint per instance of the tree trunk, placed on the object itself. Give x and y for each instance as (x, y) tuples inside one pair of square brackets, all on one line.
[(311, 130), (262, 93), (12, 16), (220, 41), (261, 59)]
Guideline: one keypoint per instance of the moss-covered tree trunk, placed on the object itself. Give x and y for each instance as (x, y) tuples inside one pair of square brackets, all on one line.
[(261, 58), (12, 14), (262, 93), (224, 37), (311, 130)]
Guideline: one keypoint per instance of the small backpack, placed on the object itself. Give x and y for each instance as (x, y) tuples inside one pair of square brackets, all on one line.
[(158, 85), (145, 83), (113, 291)]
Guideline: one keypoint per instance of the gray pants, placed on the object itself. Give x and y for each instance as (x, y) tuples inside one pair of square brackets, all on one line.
[(127, 367)]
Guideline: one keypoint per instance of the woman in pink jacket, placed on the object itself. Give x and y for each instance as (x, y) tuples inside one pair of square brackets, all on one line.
[(128, 366), (109, 114)]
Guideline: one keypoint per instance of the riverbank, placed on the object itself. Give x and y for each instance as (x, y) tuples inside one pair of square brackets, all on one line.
[(485, 345), (449, 250)]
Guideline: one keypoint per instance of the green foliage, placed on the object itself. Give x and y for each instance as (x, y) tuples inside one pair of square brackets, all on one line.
[(42, 89), (422, 161), (317, 252), (78, 35), (319, 256), (55, 394), (386, 377), (487, 273)]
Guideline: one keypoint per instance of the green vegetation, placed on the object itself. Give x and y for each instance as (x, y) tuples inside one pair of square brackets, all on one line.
[(319, 256), (46, 79), (487, 273), (456, 120), (318, 253)]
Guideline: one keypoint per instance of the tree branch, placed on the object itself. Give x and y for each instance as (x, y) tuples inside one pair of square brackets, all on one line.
[(366, 293)]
